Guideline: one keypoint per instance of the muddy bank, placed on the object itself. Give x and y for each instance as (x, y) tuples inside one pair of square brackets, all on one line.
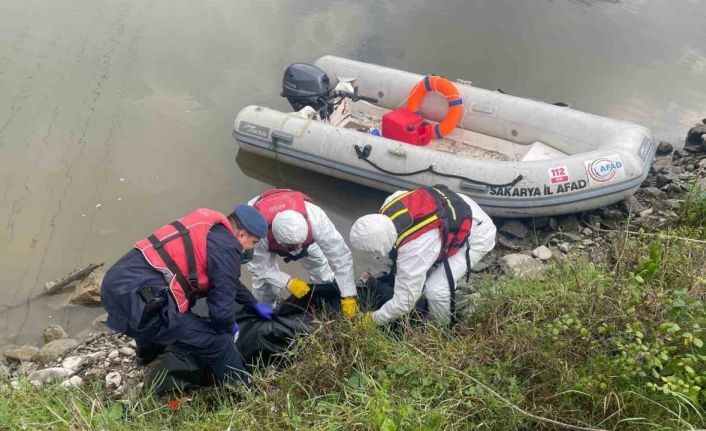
[(524, 246)]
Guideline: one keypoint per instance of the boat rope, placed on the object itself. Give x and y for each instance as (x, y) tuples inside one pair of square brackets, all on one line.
[(364, 154)]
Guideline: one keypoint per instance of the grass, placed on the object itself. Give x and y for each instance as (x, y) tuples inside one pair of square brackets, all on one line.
[(614, 345)]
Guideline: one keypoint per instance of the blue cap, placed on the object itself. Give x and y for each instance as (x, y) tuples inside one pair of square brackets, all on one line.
[(251, 219)]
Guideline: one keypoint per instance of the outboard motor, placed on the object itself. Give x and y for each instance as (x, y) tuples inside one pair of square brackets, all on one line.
[(307, 85)]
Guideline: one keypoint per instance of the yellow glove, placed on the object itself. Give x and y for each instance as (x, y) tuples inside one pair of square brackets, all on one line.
[(349, 307), (297, 287)]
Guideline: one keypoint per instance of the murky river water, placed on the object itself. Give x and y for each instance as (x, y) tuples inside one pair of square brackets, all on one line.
[(116, 116)]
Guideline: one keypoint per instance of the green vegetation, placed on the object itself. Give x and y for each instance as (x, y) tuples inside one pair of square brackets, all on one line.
[(617, 344)]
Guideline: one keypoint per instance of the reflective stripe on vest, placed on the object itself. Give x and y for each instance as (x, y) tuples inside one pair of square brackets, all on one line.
[(419, 211), (184, 243)]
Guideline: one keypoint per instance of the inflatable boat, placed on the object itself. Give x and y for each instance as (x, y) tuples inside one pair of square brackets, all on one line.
[(391, 129)]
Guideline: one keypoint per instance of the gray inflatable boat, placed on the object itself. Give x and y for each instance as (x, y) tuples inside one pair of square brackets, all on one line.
[(515, 157)]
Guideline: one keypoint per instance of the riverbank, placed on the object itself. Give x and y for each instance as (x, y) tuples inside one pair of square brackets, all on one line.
[(593, 320)]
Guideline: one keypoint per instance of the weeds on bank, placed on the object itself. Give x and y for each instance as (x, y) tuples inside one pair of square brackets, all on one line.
[(614, 345)]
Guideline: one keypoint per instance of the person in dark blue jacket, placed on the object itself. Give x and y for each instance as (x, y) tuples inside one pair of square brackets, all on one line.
[(149, 292)]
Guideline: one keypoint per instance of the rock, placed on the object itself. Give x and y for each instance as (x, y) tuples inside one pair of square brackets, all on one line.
[(542, 252), (674, 204), (95, 373), (73, 362), (480, 267), (587, 232), (514, 229), (653, 192), (15, 384), (613, 214), (88, 290), (113, 354), (662, 180), (503, 242), (695, 133), (564, 247), (553, 224), (54, 332), (676, 155), (113, 379), (55, 349), (95, 356), (539, 222), (592, 219), (646, 212), (4, 348), (132, 343), (101, 320), (49, 374), (521, 265), (702, 164), (630, 205), (127, 351), (26, 368), (568, 236), (664, 148), (569, 224), (673, 188), (25, 353), (587, 242), (73, 382)]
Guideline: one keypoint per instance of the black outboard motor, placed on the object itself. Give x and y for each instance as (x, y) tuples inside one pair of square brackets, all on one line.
[(307, 85)]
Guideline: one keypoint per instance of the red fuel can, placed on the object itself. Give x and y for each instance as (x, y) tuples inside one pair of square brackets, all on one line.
[(402, 125)]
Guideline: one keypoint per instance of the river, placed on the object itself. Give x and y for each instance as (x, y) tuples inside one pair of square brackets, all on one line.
[(116, 116)]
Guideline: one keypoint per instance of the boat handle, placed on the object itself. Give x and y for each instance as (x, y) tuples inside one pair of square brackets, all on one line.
[(280, 137), (398, 152)]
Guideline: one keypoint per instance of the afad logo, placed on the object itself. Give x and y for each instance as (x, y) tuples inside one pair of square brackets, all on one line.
[(604, 169)]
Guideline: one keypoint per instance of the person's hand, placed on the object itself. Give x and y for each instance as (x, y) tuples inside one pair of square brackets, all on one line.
[(264, 311), (349, 307), (298, 287)]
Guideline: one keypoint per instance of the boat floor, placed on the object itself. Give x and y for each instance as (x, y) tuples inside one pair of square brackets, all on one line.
[(461, 142)]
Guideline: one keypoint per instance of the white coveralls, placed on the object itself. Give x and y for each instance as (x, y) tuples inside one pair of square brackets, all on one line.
[(416, 258), (329, 247)]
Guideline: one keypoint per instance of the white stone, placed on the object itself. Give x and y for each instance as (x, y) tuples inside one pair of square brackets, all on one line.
[(113, 379), (73, 362), (113, 354), (15, 384), (522, 265), (73, 382), (564, 247), (542, 252), (132, 344), (49, 374), (587, 231), (127, 351), (646, 212)]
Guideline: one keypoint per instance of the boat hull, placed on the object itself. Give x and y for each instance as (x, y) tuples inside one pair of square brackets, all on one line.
[(611, 158)]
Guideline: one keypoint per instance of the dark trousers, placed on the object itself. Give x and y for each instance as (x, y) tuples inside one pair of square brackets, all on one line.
[(187, 331)]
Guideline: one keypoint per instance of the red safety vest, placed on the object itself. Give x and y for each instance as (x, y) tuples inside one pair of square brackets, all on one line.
[(183, 262), (273, 202), (417, 212)]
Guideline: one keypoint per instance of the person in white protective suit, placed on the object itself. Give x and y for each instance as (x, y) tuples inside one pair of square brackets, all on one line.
[(409, 228), (299, 230)]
